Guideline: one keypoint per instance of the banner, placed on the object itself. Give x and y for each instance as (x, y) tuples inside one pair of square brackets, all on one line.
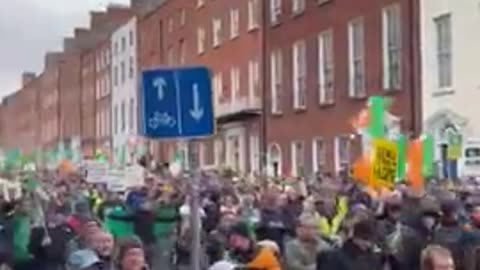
[(384, 163)]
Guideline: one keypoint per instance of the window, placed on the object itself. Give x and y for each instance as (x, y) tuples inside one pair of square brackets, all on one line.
[(253, 78), (131, 113), (170, 24), (122, 116), (217, 32), (116, 48), (107, 85), (326, 67), (122, 72), (254, 153), (131, 69), (183, 52), (235, 82), (124, 44), (253, 14), (115, 76), (276, 81), (275, 11), (218, 87), (318, 154), (115, 119), (392, 47), (183, 16), (298, 159), (298, 6), (342, 152), (444, 50), (201, 40), (131, 38), (219, 152), (299, 75), (200, 3), (356, 58), (234, 23)]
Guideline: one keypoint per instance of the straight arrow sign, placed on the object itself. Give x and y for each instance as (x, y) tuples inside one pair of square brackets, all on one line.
[(197, 111)]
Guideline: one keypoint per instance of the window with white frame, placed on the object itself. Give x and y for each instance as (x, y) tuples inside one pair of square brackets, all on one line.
[(131, 114), (201, 40), (356, 58), (219, 152), (298, 6), (124, 44), (170, 24), (123, 116), (131, 38), (115, 119), (326, 72), (253, 78), (235, 82), (108, 122), (254, 153), (298, 158), (275, 11), (253, 14), (183, 52), (171, 56), (131, 68), (107, 86), (183, 16), (122, 72), (217, 32), (444, 50), (299, 75), (318, 154), (234, 23), (115, 75), (276, 77), (202, 160), (392, 47), (342, 151), (218, 87)]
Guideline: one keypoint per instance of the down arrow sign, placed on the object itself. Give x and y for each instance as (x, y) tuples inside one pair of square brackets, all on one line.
[(196, 112)]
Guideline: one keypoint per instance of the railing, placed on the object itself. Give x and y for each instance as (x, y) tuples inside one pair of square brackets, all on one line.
[(237, 105)]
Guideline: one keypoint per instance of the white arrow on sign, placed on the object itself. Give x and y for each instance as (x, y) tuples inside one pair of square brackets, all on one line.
[(196, 112), (160, 84)]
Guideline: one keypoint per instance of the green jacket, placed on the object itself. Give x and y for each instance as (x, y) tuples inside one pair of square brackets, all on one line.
[(167, 217), (118, 228), (21, 237)]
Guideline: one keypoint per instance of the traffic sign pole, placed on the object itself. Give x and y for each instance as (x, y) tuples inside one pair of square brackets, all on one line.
[(178, 104), (195, 206)]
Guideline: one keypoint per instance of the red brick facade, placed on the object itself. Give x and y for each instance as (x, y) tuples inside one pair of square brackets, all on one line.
[(237, 40)]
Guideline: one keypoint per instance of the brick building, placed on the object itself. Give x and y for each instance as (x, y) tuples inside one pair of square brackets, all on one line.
[(225, 36), (324, 59), (48, 100), (19, 116)]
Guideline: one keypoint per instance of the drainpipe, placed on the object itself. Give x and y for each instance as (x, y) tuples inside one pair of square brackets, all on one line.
[(413, 25)]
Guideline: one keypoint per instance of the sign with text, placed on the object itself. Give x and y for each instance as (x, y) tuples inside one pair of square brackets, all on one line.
[(177, 103), (384, 163)]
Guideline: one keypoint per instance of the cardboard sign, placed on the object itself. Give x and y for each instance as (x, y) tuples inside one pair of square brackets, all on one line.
[(384, 163), (95, 172)]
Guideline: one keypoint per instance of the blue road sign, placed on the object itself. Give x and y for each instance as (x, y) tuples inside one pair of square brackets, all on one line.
[(177, 103)]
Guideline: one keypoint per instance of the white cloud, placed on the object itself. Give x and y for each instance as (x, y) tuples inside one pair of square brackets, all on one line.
[(29, 28)]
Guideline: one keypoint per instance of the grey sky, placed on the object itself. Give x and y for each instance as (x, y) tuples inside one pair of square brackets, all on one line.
[(29, 28)]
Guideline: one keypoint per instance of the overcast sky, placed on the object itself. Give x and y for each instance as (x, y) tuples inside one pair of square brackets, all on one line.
[(29, 28)]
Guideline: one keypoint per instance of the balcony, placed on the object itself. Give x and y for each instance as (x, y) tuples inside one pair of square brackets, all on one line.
[(239, 109)]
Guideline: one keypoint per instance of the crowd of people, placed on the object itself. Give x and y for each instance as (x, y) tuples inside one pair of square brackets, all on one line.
[(325, 224)]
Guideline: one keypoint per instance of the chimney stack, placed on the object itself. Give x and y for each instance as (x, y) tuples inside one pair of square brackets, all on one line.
[(27, 77)]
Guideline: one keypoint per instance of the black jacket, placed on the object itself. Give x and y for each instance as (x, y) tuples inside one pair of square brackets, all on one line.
[(350, 257)]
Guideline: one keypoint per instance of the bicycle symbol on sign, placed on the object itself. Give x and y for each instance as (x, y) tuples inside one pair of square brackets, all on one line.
[(161, 120)]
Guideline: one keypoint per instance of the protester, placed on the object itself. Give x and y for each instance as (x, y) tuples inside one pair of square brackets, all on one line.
[(436, 258), (131, 256)]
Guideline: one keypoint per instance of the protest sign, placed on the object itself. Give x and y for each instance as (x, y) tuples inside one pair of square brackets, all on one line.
[(384, 163), (95, 171)]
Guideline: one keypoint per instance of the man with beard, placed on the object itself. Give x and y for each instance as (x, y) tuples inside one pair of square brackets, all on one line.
[(103, 244)]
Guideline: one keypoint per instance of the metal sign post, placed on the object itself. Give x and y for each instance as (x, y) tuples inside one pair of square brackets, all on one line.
[(177, 103)]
